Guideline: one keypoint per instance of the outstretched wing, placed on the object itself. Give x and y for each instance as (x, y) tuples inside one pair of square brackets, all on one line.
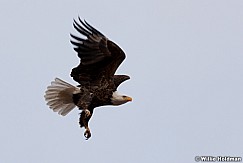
[(99, 56)]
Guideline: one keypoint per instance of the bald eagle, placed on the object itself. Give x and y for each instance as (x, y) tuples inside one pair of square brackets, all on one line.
[(99, 60)]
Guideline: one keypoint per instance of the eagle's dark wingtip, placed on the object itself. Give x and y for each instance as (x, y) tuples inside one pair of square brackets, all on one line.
[(86, 22), (80, 19), (75, 24), (83, 22)]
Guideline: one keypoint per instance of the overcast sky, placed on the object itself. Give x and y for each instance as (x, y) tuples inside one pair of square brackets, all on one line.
[(185, 59)]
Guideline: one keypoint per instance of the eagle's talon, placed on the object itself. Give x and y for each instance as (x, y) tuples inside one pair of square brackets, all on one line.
[(87, 134)]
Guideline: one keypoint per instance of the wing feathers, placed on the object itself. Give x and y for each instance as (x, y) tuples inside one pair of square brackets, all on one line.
[(77, 38), (80, 29), (90, 27), (98, 54)]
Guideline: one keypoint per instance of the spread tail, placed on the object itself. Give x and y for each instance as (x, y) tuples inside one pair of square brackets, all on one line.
[(59, 96)]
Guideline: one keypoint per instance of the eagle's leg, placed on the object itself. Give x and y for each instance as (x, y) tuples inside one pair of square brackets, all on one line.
[(83, 121), (87, 132)]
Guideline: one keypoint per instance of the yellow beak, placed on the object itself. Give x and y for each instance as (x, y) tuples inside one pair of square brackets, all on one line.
[(128, 98)]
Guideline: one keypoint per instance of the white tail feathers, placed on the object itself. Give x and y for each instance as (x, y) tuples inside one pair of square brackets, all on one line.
[(59, 96)]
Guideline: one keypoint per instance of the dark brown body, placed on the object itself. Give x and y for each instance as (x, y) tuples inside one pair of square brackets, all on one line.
[(92, 96)]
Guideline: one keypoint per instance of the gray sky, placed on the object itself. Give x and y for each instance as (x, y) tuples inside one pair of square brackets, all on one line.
[(185, 62)]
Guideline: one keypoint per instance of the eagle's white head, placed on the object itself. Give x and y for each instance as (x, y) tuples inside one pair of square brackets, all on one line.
[(118, 99)]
